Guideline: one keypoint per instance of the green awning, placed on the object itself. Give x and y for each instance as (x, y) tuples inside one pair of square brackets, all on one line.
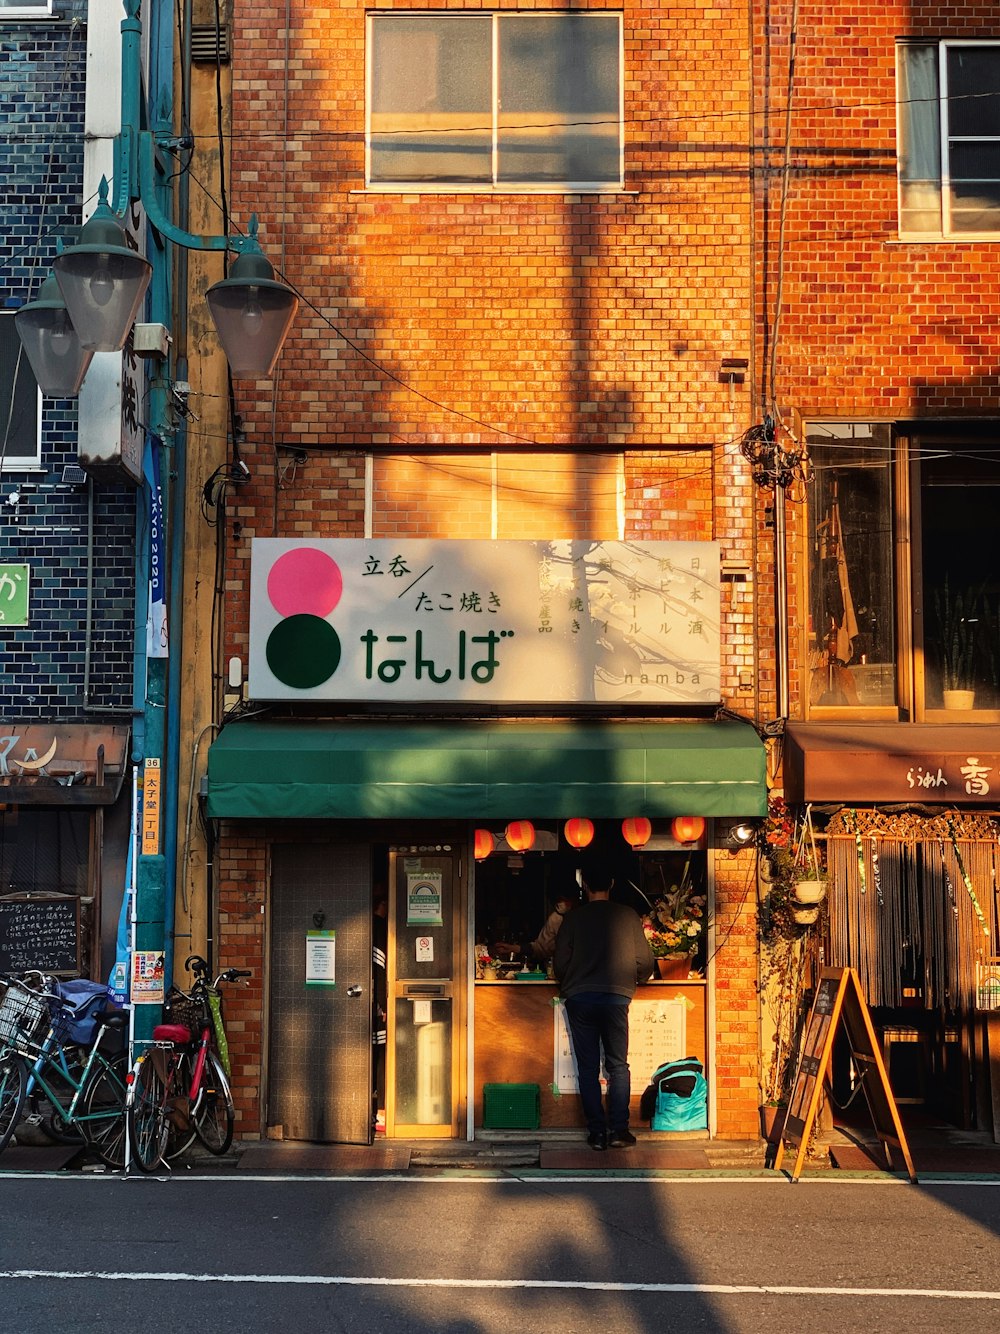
[(477, 771)]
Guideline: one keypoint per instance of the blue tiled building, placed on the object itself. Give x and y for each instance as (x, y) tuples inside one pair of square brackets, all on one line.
[(67, 658)]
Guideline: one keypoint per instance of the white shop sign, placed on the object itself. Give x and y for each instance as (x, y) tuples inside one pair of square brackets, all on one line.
[(400, 621)]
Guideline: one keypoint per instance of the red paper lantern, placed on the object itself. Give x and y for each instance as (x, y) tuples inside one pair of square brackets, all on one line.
[(484, 844), (636, 830), (520, 835), (578, 833), (688, 828)]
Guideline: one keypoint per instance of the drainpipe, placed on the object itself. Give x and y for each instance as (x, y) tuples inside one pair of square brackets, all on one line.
[(781, 602)]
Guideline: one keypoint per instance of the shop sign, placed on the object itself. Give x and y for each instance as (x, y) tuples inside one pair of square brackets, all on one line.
[(423, 898), (14, 581), (401, 621), (950, 766)]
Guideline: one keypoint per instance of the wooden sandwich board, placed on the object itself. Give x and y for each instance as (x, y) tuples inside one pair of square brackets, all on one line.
[(839, 1000)]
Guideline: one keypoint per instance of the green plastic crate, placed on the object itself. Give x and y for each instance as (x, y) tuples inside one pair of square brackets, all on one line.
[(512, 1106)]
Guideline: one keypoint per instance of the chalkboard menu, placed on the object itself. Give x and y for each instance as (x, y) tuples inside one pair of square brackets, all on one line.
[(42, 933), (839, 1002)]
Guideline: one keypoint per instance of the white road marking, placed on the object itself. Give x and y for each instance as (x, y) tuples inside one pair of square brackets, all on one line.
[(488, 1284), (454, 1176)]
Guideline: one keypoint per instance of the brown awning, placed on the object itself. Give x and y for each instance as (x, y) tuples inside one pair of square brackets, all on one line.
[(72, 764), (892, 762)]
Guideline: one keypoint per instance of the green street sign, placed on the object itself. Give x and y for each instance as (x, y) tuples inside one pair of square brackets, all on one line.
[(13, 595)]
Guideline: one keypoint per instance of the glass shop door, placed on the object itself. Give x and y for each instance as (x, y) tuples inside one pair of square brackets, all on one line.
[(425, 1061)]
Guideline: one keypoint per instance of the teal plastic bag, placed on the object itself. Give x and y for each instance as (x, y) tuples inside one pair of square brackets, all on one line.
[(681, 1096)]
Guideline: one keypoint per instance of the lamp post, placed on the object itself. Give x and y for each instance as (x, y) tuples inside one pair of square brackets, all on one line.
[(89, 304)]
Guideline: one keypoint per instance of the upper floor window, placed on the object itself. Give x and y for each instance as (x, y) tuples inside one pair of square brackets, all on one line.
[(20, 402), (495, 101), (904, 589), (949, 138), (12, 9)]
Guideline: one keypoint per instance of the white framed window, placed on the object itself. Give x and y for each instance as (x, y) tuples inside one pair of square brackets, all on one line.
[(949, 138), (506, 101), (21, 9), (20, 403)]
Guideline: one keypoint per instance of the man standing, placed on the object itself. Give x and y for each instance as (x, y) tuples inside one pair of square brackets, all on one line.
[(601, 955)]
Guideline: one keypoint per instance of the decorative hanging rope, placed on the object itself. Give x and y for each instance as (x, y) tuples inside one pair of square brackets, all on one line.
[(965, 879), (915, 939)]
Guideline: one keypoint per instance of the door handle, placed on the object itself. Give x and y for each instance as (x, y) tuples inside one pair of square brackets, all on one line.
[(354, 991)]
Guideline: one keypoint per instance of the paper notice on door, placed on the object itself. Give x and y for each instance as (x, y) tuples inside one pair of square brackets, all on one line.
[(425, 949), (423, 898), (321, 958)]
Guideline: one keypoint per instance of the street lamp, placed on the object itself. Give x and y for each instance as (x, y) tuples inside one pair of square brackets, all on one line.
[(252, 314), (103, 280), (51, 344)]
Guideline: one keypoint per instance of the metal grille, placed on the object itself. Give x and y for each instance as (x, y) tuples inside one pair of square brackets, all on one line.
[(209, 44), (24, 1020)]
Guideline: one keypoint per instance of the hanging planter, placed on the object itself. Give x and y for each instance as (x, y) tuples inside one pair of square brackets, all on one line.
[(809, 891), (805, 916)]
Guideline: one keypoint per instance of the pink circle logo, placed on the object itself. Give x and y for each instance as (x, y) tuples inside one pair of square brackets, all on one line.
[(304, 581)]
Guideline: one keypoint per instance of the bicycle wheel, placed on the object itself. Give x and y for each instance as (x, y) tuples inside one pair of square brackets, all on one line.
[(13, 1083), (213, 1114), (50, 1117), (181, 1134), (147, 1111), (104, 1107)]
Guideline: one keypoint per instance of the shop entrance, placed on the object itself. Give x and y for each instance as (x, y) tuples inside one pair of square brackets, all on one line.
[(319, 1084), (426, 1043)]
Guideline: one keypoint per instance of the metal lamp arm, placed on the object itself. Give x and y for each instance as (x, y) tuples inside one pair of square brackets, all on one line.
[(241, 245)]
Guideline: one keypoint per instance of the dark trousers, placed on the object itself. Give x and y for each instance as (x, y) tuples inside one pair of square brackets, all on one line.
[(594, 1025)]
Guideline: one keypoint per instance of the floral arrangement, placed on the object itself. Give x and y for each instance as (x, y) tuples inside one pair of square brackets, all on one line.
[(675, 922)]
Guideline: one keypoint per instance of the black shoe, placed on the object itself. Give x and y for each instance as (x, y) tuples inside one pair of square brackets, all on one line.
[(597, 1139), (621, 1139)]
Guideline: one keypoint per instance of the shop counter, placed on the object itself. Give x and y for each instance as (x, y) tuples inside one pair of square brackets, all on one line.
[(515, 1039)]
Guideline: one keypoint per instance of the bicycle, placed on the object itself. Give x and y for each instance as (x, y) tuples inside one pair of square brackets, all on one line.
[(179, 1087), (42, 1037)]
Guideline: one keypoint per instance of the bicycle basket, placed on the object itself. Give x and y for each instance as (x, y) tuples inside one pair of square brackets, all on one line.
[(181, 1009), (76, 1019), (24, 1019)]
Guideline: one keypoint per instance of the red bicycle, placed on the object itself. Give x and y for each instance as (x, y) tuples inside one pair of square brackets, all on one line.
[(179, 1087)]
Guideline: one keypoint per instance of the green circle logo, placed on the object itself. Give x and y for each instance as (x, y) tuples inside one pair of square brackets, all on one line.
[(303, 651)]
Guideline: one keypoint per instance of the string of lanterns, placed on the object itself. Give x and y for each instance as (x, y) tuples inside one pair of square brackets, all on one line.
[(579, 833)]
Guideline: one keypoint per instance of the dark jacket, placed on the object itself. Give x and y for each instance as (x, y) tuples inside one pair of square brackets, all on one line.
[(601, 947)]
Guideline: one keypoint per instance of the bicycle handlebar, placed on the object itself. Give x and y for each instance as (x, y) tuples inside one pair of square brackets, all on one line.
[(194, 963)]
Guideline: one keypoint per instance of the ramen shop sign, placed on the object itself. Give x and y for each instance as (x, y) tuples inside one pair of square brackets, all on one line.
[(484, 622)]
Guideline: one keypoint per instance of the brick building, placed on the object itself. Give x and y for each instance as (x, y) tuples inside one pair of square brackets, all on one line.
[(878, 216), (67, 543), (526, 321)]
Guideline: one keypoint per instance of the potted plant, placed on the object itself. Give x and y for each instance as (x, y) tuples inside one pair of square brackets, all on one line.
[(809, 886), (958, 618), (674, 927)]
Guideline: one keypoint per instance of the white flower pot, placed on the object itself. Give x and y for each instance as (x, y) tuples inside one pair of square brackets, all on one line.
[(960, 700), (809, 891), (806, 916)]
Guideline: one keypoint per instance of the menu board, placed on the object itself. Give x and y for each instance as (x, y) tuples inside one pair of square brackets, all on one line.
[(657, 1033), (42, 933)]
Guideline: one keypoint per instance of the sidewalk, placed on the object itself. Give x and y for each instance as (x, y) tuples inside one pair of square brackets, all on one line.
[(937, 1150)]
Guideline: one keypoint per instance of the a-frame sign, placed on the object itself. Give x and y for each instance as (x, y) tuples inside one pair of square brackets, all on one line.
[(839, 1000)]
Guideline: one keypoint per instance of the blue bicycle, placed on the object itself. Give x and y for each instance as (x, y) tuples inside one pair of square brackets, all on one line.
[(54, 1044)]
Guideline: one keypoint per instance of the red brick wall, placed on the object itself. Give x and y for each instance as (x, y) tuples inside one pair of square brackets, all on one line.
[(870, 327), (471, 322)]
